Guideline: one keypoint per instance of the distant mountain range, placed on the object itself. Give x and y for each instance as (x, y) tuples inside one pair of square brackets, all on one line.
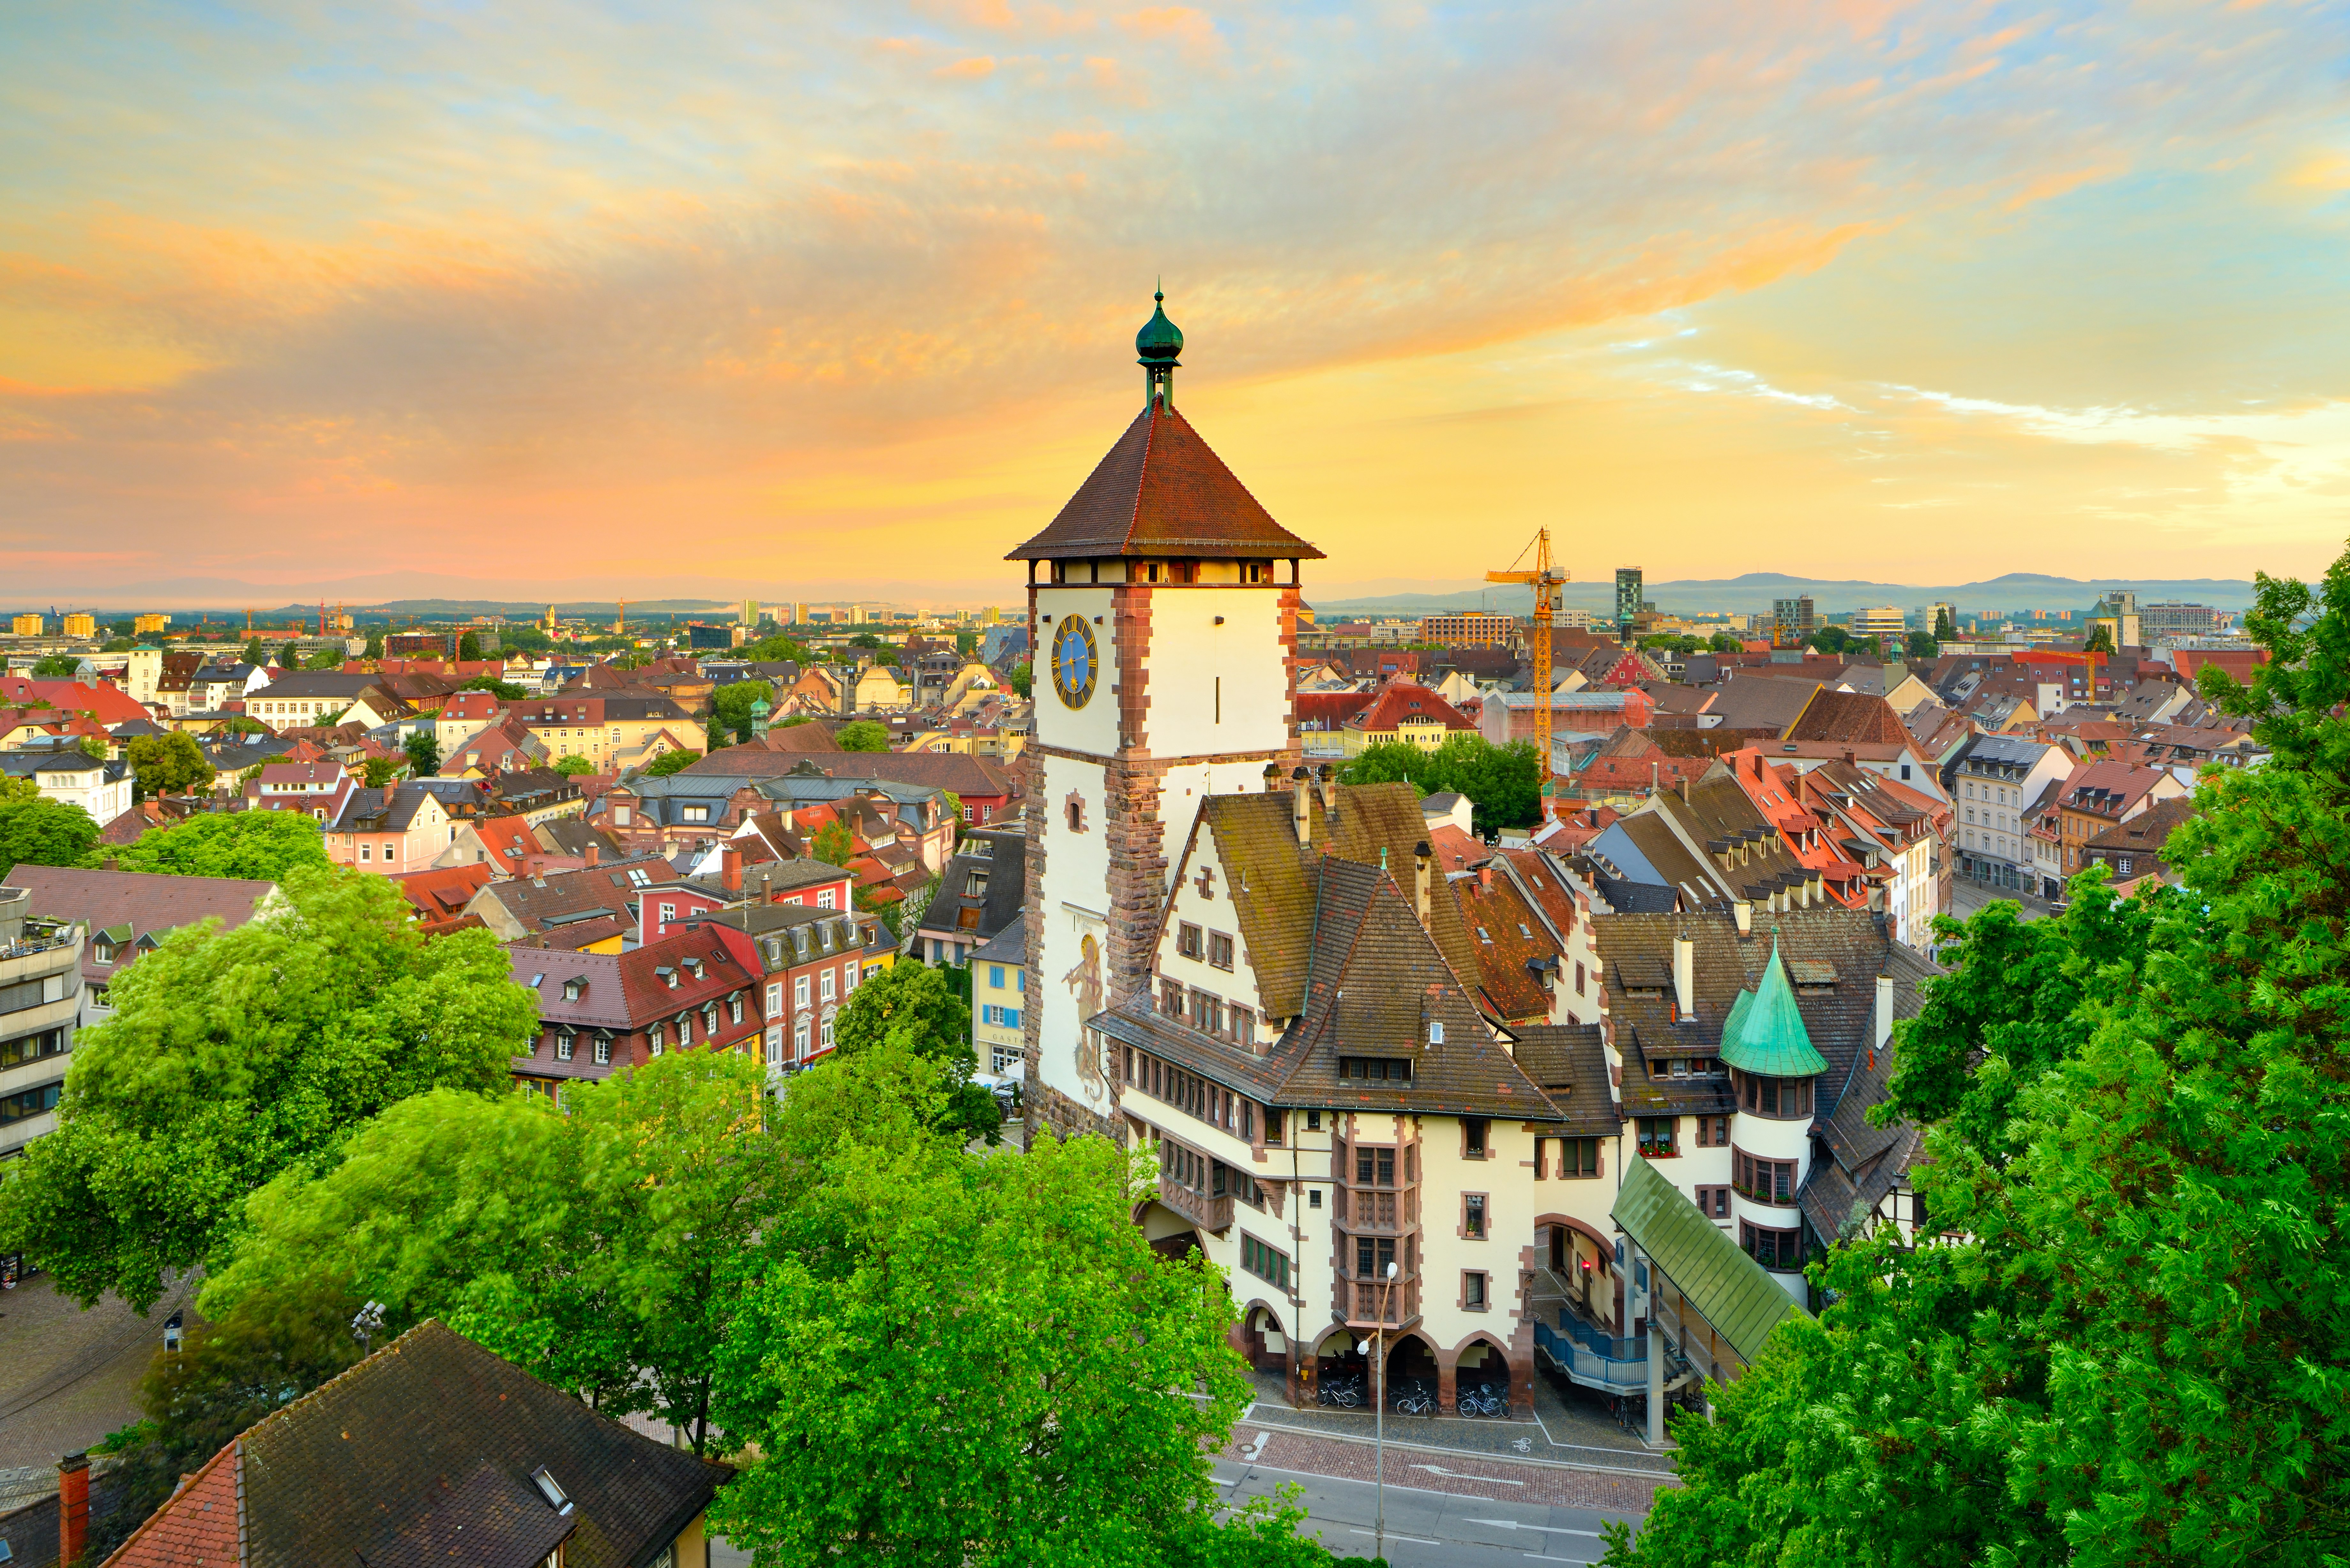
[(1752, 593)]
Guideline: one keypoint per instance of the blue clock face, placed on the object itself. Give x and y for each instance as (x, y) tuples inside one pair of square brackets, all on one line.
[(1075, 661)]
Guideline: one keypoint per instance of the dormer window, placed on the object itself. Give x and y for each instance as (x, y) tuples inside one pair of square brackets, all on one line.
[(573, 988), (693, 967)]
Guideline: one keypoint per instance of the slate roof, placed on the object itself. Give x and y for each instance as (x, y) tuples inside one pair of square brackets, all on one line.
[(1863, 1160), (426, 1415), (1160, 490), (388, 810), (1730, 1290), (1754, 703), (1569, 1063), (959, 771), (134, 909), (540, 902), (1002, 858)]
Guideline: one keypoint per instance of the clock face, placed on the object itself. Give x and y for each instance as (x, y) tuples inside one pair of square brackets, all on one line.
[(1076, 660)]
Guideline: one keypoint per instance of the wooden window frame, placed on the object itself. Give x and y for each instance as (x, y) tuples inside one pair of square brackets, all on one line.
[(1480, 1206)]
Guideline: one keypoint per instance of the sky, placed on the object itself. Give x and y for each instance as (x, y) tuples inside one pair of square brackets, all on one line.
[(803, 301)]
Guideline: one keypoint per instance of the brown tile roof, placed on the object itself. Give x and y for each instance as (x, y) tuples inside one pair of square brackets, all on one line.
[(1160, 490), (541, 903), (1400, 700), (1570, 1063), (956, 771), (1849, 716), (200, 1526), (442, 893)]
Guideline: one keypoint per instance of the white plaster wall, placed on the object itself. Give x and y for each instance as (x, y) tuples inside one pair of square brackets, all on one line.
[(1217, 689), (1075, 904), (1094, 726), (1767, 1137)]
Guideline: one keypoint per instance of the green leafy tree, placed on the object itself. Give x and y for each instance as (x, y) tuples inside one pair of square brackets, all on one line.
[(1503, 784), (1024, 679), (572, 765), (775, 649), (1921, 645), (596, 1246), (468, 648), (864, 735), (37, 831), (92, 747), (967, 644), (168, 764), (1053, 1351), (669, 763), (231, 1056), (1943, 629), (56, 667), (870, 639), (1832, 639), (243, 726), (378, 771), (374, 649), (913, 1007), (257, 845), (2101, 639), (2135, 1116), (330, 657), (1724, 642), (122, 644), (423, 754), (505, 690), (833, 844), (254, 651), (729, 708), (14, 788)]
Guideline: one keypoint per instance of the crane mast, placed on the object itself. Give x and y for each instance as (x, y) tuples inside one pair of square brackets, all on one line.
[(1546, 583)]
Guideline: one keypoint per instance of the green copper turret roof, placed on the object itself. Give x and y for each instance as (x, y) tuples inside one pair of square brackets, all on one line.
[(1764, 1032), (1160, 340)]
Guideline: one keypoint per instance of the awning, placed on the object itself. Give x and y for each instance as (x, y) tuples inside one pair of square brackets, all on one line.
[(1730, 1290)]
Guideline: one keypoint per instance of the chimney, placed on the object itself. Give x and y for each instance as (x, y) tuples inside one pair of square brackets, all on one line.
[(1272, 777), (1421, 858), (1328, 778), (595, 852), (1744, 910), (1685, 974), (73, 1507), (1302, 813), (1684, 789), (729, 869), (1883, 1030)]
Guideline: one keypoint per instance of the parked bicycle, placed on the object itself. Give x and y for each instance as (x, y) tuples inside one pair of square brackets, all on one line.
[(1482, 1399), (1345, 1393), (1415, 1399)]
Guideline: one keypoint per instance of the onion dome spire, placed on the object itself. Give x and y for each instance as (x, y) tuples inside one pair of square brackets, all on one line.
[(1158, 348)]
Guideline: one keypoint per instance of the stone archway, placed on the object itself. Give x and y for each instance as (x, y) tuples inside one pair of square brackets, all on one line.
[(1483, 1362), (1334, 1356), (1413, 1363), (1583, 1260), (1170, 1234), (1261, 1339)]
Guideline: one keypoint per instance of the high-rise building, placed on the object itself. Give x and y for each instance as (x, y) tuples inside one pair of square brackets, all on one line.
[(31, 625), (750, 612), (1792, 620), (2163, 620), (1627, 596), (81, 623), (140, 626), (1884, 621)]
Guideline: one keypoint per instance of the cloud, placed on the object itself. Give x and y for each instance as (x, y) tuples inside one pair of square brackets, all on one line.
[(971, 70)]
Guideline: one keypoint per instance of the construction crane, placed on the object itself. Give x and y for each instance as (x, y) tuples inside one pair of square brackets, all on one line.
[(1546, 584)]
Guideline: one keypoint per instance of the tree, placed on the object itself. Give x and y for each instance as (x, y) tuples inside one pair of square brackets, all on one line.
[(374, 649), (504, 691), (870, 639), (330, 657), (910, 1005), (56, 667), (1831, 639), (257, 845), (967, 644), (1503, 784), (1943, 629), (777, 649), (92, 747), (2101, 639), (255, 652), (122, 644), (595, 1245), (168, 764), (232, 1055), (1022, 678), (468, 648), (2135, 1119), (1071, 1381), (669, 763), (864, 735), (423, 754), (243, 724), (833, 844), (378, 771), (729, 708), (571, 765), (1724, 642), (1921, 645), (39, 831)]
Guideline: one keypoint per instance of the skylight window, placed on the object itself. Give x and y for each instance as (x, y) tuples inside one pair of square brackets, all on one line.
[(549, 1489)]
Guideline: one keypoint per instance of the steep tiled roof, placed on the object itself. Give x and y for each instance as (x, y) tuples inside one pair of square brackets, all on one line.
[(442, 893), (598, 891), (200, 1526), (1404, 700), (1849, 716), (956, 771), (1161, 491), (1569, 1063), (358, 1466)]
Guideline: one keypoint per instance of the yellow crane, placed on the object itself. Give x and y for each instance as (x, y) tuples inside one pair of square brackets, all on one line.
[(1546, 584)]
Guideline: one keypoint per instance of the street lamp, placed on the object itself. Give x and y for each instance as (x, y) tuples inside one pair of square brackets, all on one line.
[(1379, 1420)]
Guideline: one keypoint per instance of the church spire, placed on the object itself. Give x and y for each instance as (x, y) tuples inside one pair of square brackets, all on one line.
[(1159, 345)]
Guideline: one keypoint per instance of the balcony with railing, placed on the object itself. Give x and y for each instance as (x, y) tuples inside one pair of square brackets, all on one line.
[(1210, 1213)]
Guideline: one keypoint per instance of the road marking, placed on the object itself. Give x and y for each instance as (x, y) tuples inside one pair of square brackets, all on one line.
[(1545, 1557), (1365, 1480), (1415, 1539), (1464, 1475), (1545, 1529)]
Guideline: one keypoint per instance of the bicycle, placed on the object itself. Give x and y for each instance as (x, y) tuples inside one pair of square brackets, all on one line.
[(1345, 1393), (1415, 1400)]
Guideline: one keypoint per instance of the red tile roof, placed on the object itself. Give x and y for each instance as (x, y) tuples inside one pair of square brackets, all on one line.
[(1160, 490), (198, 1527), (1403, 700)]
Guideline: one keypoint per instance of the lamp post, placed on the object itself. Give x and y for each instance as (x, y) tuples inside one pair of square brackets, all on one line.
[(1379, 1416)]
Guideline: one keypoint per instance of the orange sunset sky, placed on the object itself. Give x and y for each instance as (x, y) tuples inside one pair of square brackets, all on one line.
[(529, 300)]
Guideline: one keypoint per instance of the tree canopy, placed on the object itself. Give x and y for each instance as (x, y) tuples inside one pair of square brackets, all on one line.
[(468, 648), (910, 1006), (1503, 784), (669, 763), (571, 764), (168, 764), (1023, 678), (2100, 640), (2126, 1350), (864, 735), (1921, 645), (424, 750), (504, 691), (833, 844), (54, 666), (330, 657), (729, 708), (232, 1055), (37, 831)]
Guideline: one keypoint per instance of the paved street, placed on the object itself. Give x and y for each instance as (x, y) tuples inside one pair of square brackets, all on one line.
[(68, 1376), (1969, 899)]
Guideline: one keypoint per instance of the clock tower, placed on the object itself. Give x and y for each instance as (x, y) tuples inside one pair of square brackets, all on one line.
[(1162, 621)]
